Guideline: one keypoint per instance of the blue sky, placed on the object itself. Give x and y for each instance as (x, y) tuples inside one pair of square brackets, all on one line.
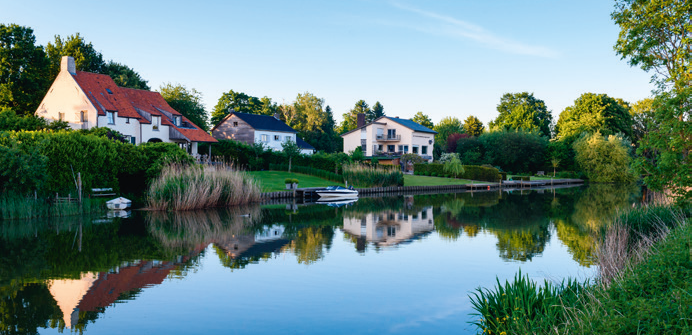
[(445, 58)]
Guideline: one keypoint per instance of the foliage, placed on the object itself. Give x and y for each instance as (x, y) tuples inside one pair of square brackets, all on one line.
[(447, 126), (665, 154), (23, 69), (22, 170), (473, 126), (372, 176), (515, 151), (522, 307), (452, 141), (423, 120), (182, 188), (350, 121), (470, 150), (89, 60), (15, 206), (186, 101), (241, 103), (9, 120), (357, 155), (408, 160), (376, 111), (272, 181), (594, 112), (522, 111), (604, 160), (314, 124), (642, 119), (453, 165)]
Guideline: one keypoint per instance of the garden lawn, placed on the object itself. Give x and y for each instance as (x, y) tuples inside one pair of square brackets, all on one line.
[(414, 180), (274, 181)]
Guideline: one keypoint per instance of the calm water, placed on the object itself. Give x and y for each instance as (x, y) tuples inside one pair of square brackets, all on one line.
[(399, 265)]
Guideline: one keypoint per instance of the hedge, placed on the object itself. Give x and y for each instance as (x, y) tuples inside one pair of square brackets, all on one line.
[(472, 172)]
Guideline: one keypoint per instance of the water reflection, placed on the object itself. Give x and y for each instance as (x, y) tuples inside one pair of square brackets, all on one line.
[(65, 273)]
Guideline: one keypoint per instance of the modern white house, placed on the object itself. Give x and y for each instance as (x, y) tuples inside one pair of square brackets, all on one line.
[(253, 128), (86, 100), (390, 137)]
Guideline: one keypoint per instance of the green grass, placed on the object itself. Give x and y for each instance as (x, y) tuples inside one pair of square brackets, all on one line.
[(273, 181), (413, 180)]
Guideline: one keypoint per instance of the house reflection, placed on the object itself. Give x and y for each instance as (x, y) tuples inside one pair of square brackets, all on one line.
[(389, 227), (238, 250)]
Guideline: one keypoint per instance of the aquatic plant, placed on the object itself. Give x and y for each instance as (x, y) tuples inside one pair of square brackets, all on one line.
[(373, 176), (196, 187)]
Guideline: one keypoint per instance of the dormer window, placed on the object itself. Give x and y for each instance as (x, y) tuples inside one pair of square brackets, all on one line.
[(177, 120), (155, 122)]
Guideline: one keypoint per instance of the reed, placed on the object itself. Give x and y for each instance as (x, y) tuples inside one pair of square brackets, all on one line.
[(373, 176), (17, 206), (191, 187)]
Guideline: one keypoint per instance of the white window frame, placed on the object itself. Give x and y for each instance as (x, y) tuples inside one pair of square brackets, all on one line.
[(155, 122), (277, 138), (111, 117), (264, 138)]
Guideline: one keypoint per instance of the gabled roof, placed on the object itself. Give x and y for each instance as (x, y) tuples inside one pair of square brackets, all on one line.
[(105, 95), (404, 122), (303, 145), (260, 122)]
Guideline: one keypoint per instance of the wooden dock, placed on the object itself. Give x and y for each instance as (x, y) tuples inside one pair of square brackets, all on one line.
[(309, 193)]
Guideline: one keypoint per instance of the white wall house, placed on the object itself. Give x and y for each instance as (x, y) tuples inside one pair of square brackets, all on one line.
[(253, 128), (390, 137), (86, 100)]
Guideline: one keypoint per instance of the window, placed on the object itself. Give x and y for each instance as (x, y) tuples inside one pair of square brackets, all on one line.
[(155, 122), (127, 120), (111, 117), (288, 138), (391, 133), (235, 123), (415, 149), (265, 138), (178, 121), (61, 116), (424, 215), (109, 91), (391, 231), (406, 149), (277, 138), (424, 150), (379, 147), (390, 148), (83, 116), (401, 148), (133, 139)]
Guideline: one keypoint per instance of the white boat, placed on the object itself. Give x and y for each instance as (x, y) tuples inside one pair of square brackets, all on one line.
[(337, 201), (337, 192), (118, 203)]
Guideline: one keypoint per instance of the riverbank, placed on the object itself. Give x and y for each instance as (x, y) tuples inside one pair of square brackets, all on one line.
[(643, 285)]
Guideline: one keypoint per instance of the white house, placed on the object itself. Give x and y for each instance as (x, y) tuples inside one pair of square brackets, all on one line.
[(253, 128), (390, 137), (86, 100)]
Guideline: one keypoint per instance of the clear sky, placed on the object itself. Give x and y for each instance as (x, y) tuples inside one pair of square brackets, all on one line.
[(444, 58)]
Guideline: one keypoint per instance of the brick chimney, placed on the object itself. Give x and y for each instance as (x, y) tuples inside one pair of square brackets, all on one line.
[(67, 64), (360, 121)]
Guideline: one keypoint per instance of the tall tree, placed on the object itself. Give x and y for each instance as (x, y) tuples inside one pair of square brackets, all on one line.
[(423, 120), (312, 115), (186, 101), (591, 113), (125, 76), (522, 111), (23, 68), (89, 60), (351, 118), (642, 119), (447, 126), (473, 126), (239, 102), (376, 111), (657, 35)]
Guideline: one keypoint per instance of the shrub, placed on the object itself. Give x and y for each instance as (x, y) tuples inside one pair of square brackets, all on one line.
[(604, 160), (368, 176), (309, 171)]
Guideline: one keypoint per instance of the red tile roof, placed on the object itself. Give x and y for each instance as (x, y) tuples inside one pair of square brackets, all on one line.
[(126, 101)]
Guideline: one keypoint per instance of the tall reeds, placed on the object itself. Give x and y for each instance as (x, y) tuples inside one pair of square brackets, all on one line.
[(373, 176), (17, 206), (192, 187)]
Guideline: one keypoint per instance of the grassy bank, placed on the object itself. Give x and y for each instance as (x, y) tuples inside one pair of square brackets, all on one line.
[(643, 287), (273, 181), (414, 180), (196, 187)]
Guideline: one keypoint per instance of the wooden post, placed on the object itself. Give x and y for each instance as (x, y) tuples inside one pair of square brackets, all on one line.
[(79, 189)]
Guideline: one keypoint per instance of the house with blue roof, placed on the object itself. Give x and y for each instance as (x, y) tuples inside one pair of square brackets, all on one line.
[(270, 131), (390, 137)]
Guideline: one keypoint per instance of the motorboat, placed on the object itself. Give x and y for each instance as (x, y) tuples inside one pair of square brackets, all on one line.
[(337, 201), (118, 203), (337, 192)]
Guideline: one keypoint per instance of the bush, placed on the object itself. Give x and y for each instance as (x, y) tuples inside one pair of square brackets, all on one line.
[(471, 172), (604, 160), (309, 171)]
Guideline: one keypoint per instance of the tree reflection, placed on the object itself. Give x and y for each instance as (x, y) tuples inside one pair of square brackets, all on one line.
[(600, 203), (310, 243), (27, 309)]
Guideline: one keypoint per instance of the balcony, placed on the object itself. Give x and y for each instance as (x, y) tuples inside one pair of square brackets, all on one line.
[(387, 138)]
